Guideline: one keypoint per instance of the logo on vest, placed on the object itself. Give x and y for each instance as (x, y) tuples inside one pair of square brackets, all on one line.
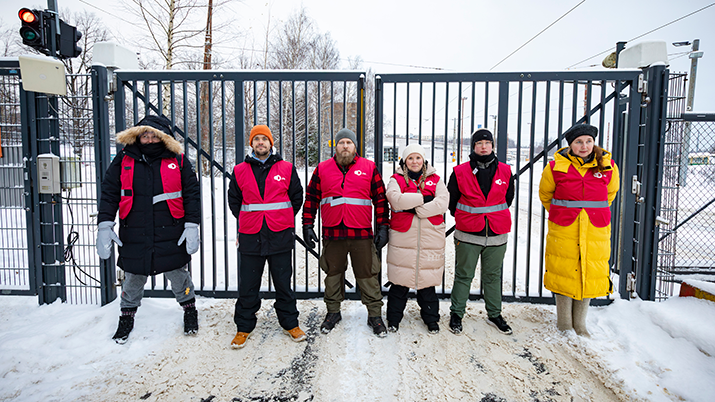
[(499, 182), (278, 177), (172, 166), (430, 183), (598, 175), (359, 172)]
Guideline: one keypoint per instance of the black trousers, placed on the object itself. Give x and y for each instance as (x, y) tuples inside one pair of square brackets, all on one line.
[(249, 285), (426, 299)]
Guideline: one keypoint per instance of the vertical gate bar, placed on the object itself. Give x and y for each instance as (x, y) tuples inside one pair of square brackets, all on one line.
[(28, 112), (434, 122), (394, 123), (560, 128), (268, 103), (574, 106), (532, 136), (407, 114), (602, 114), (239, 138), (503, 112), (280, 119), (100, 120), (361, 115), (200, 170), (345, 107), (419, 129), (588, 95), (224, 178), (147, 100), (255, 103), (542, 237), (159, 97), (460, 114), (486, 107), (520, 110), (212, 181)]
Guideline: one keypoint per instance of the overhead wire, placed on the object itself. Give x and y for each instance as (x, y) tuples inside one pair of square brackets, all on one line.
[(642, 35)]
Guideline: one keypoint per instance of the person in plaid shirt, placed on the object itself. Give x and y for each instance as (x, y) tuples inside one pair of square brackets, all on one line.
[(346, 187)]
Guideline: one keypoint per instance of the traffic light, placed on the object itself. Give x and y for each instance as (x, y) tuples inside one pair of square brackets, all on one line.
[(68, 38), (33, 29)]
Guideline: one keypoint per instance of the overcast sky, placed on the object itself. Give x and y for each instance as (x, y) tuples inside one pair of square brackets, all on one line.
[(476, 35)]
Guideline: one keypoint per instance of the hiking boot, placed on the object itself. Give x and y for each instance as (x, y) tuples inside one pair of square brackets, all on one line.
[(239, 340), (378, 327), (433, 327), (191, 321), (296, 334), (455, 324), (329, 323), (126, 324), (393, 326), (500, 324)]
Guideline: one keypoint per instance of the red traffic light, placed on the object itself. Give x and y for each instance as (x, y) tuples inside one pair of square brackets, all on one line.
[(27, 16)]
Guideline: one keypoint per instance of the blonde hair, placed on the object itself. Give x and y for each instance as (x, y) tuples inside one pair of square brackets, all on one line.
[(423, 174)]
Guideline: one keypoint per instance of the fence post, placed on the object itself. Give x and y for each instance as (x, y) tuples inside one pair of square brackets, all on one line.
[(657, 77), (102, 157)]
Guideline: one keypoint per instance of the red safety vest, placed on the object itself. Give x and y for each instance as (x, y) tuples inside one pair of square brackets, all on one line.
[(575, 192), (170, 180), (346, 198), (473, 206), (274, 206), (401, 221)]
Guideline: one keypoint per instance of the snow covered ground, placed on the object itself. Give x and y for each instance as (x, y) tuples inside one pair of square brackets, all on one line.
[(639, 351)]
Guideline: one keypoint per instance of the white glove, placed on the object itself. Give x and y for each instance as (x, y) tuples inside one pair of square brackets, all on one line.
[(105, 236), (191, 235)]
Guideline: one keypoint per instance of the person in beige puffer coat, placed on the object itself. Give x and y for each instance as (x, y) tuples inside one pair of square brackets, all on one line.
[(415, 252)]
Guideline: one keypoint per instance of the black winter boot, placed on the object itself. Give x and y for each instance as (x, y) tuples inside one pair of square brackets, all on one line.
[(455, 324), (126, 324), (191, 317)]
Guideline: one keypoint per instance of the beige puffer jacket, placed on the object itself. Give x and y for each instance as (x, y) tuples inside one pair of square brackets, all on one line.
[(415, 258)]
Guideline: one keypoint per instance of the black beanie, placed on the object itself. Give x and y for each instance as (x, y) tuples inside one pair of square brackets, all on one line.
[(578, 130), (482, 134), (160, 123)]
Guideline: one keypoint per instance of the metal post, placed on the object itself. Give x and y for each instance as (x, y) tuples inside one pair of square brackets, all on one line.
[(685, 154), (100, 118), (646, 274)]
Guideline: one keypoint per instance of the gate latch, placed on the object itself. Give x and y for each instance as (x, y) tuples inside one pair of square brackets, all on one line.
[(641, 83), (636, 189), (631, 285)]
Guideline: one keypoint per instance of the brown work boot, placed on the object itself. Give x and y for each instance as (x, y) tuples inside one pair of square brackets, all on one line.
[(239, 340), (296, 334)]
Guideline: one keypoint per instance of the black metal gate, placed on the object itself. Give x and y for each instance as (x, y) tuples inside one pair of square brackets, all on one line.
[(527, 112)]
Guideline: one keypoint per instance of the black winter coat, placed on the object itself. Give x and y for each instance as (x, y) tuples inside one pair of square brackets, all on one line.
[(265, 242), (484, 178), (149, 233)]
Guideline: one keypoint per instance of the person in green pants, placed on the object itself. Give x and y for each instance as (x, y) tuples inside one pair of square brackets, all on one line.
[(480, 193)]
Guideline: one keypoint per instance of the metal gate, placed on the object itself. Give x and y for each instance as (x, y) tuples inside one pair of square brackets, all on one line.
[(527, 112), (212, 113)]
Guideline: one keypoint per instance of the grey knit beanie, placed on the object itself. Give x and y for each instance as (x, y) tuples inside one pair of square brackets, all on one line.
[(345, 133), (578, 130)]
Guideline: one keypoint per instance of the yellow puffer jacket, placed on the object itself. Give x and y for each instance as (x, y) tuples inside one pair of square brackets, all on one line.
[(577, 255)]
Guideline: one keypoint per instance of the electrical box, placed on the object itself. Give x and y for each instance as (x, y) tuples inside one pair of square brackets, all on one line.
[(48, 173)]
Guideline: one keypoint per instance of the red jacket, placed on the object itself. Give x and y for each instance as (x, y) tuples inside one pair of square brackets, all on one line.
[(171, 183), (275, 205), (346, 198), (473, 207), (401, 221), (575, 192)]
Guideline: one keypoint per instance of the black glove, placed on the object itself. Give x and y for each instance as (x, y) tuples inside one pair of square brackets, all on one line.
[(309, 236), (381, 237), (427, 198)]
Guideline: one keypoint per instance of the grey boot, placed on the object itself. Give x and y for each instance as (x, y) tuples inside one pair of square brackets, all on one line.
[(564, 314), (580, 310)]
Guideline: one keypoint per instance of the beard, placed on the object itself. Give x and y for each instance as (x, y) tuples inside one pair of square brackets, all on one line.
[(262, 153), (345, 159)]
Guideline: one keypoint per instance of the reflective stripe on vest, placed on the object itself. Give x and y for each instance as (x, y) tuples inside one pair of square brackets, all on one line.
[(346, 197), (170, 178), (265, 207), (482, 210), (274, 207), (345, 200), (579, 204)]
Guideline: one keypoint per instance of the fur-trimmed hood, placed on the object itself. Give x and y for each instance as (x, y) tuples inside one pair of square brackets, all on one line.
[(129, 136)]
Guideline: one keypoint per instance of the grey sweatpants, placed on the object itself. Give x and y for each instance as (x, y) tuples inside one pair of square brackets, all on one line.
[(133, 287)]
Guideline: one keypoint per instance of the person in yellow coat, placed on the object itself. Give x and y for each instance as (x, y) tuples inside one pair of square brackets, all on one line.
[(577, 188)]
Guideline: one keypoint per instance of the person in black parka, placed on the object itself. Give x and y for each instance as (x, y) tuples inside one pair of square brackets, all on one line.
[(154, 188)]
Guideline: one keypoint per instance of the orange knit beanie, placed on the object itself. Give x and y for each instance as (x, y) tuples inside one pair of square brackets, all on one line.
[(260, 129)]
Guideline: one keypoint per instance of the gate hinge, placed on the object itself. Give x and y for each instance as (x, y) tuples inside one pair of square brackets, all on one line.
[(631, 285)]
